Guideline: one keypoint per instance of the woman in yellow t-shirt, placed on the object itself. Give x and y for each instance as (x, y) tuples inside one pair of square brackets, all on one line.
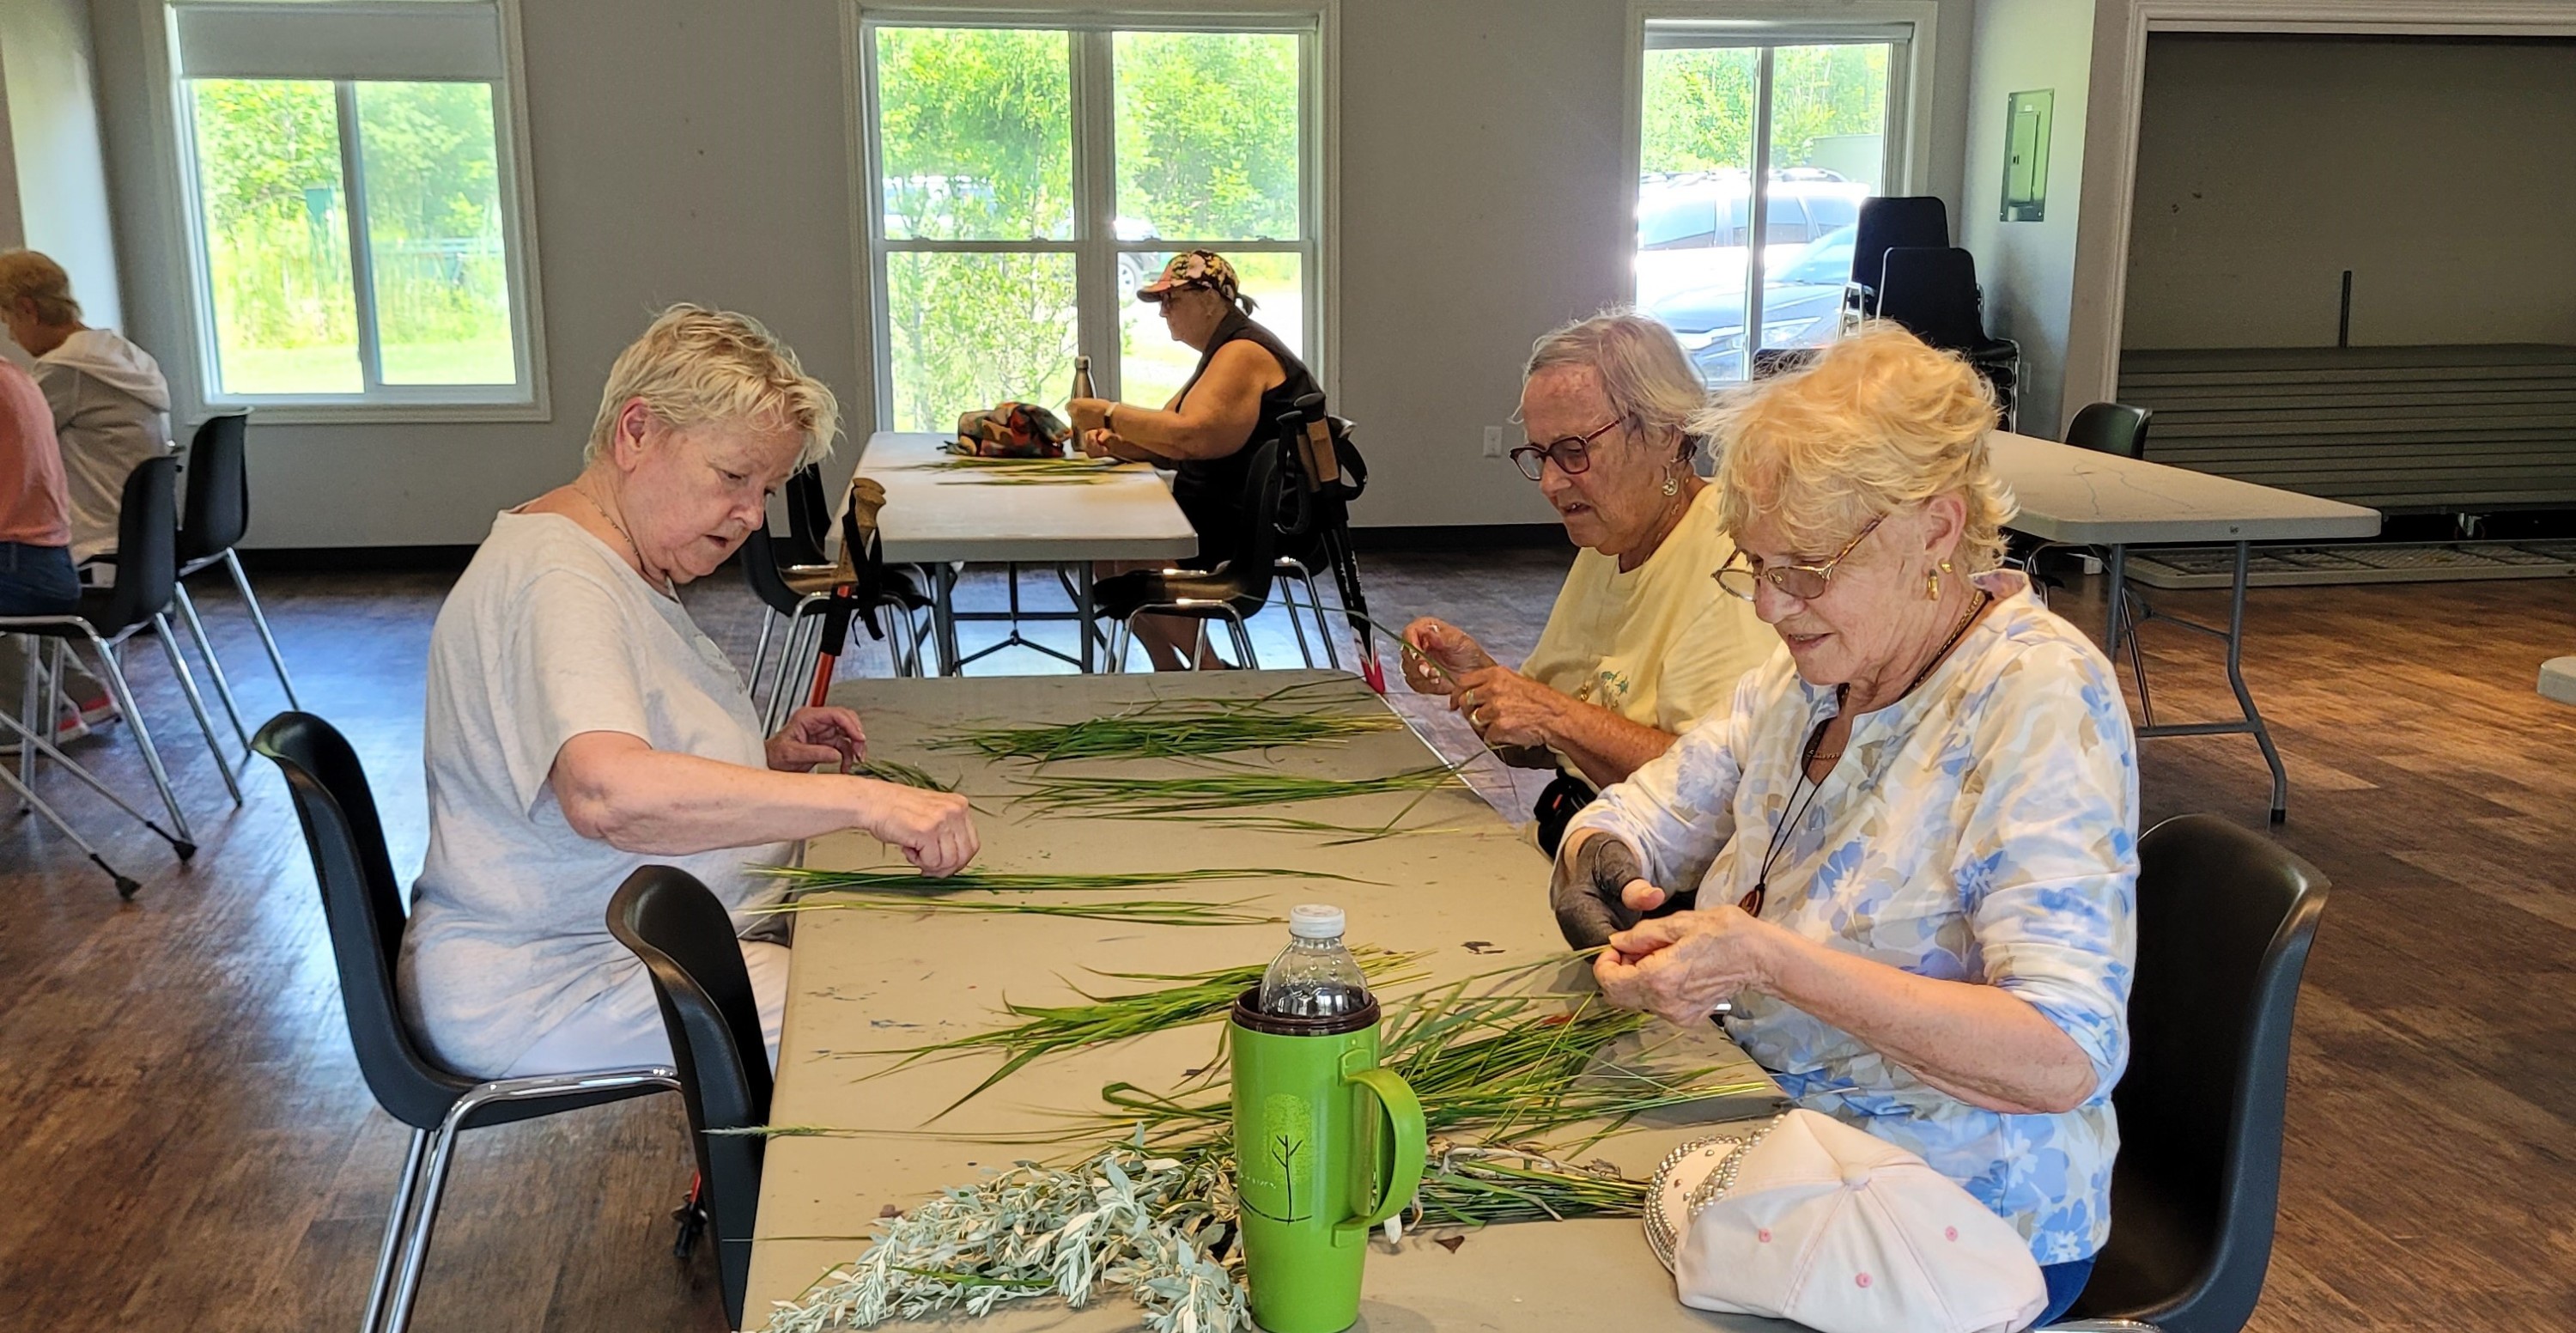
[(1641, 642)]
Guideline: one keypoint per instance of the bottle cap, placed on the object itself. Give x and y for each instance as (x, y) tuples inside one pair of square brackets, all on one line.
[(1315, 921)]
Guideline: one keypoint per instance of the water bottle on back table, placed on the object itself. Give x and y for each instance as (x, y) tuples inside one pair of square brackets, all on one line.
[(1326, 1143)]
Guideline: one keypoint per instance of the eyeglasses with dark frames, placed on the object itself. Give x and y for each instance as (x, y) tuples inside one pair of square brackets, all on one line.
[(1804, 582), (1572, 454)]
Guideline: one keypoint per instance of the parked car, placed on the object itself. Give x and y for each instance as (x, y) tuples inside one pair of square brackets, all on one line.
[(1692, 231), (1800, 301)]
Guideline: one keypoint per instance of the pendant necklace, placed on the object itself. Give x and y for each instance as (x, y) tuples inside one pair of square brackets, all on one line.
[(1802, 792), (669, 589)]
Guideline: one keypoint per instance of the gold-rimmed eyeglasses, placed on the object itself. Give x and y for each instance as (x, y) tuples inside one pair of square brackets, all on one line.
[(1804, 582), (1572, 454)]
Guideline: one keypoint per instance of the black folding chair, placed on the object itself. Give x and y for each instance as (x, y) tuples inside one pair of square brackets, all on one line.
[(2225, 918), (1234, 591), (1932, 292), (147, 527), (686, 940), (214, 513), (1883, 224), (363, 907)]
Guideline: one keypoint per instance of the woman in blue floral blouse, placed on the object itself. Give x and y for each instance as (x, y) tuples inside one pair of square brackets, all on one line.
[(1905, 858)]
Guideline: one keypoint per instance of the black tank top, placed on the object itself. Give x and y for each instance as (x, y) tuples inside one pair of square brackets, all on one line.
[(1210, 490)]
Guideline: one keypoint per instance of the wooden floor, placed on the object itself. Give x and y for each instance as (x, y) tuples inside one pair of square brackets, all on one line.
[(185, 1141)]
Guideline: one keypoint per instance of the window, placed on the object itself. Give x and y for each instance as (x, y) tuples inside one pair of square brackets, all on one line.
[(353, 197), (1803, 119), (1029, 179)]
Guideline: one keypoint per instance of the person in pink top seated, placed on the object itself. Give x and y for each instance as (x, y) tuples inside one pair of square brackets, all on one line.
[(36, 577)]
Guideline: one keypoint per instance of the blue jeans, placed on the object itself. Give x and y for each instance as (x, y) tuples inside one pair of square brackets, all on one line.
[(37, 581), (2065, 1283)]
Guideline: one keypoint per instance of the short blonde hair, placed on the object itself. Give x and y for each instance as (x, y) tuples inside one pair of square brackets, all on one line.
[(1876, 421), (36, 277), (1648, 381), (695, 365)]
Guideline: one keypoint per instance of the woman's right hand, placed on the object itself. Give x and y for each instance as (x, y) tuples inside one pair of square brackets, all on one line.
[(932, 827), (1429, 640)]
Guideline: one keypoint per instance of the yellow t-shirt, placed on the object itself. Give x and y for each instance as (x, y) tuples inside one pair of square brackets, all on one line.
[(1661, 645)]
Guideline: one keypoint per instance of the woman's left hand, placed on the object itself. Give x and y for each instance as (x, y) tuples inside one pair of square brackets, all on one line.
[(1682, 967), (1506, 707), (1087, 414), (818, 736)]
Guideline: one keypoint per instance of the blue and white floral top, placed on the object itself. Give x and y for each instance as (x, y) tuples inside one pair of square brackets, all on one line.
[(1983, 828)]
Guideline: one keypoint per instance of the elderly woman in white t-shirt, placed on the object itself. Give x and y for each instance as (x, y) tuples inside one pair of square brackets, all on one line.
[(1640, 643), (579, 724)]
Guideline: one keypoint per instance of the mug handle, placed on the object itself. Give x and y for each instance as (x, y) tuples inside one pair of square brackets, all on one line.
[(1403, 1167)]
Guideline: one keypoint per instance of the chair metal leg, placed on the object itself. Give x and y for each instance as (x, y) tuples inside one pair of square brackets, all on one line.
[(34, 740), (1323, 627), (415, 1252), (196, 702), (30, 694), (2137, 664), (760, 651), (214, 668), (125, 886), (1288, 603), (396, 1230), (1242, 641), (187, 843), (1119, 634), (259, 621)]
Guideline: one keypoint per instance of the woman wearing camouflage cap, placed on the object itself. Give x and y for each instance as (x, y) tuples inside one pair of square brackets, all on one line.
[(1246, 378)]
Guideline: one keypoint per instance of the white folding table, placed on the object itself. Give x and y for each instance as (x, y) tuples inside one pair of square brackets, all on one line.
[(939, 518), (2080, 497), (1464, 886)]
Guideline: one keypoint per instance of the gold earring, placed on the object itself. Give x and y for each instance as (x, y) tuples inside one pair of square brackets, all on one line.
[(1671, 486), (1932, 585)]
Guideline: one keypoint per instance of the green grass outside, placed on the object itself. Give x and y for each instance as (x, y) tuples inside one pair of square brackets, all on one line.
[(334, 369)]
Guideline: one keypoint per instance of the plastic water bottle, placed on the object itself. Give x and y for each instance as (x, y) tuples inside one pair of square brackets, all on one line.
[(1315, 976)]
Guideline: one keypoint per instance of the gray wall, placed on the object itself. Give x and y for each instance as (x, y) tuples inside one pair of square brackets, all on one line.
[(2028, 268), (2440, 173), (689, 151), (53, 169)]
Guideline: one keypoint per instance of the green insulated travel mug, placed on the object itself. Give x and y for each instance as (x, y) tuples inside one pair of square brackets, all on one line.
[(1326, 1146)]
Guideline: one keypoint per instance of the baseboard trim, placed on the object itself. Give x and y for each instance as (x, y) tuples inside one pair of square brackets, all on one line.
[(1459, 537)]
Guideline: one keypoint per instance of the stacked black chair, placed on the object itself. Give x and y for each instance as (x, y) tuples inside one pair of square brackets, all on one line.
[(2225, 918), (686, 940), (363, 907), (1932, 292), (213, 515), (1884, 224), (1234, 591), (147, 566)]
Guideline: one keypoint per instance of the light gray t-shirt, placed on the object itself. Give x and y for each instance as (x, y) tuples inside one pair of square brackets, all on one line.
[(547, 635)]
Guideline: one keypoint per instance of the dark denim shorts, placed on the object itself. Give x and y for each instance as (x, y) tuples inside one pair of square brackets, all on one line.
[(37, 581)]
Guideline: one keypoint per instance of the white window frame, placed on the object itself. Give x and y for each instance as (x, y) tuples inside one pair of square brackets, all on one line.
[(527, 399), (1742, 23), (1095, 245)]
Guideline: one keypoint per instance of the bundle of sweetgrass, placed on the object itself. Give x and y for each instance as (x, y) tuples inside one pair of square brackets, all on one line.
[(901, 774), (1133, 911), (1200, 793), (978, 463), (1178, 729), (1195, 997), (1485, 1067), (806, 879)]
